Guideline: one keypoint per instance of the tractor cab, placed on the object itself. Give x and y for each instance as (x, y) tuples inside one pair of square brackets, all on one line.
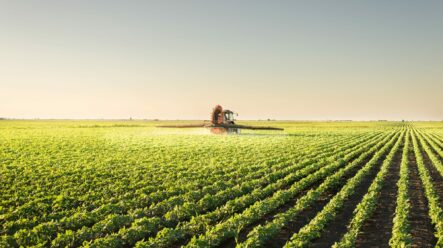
[(228, 117), (221, 116)]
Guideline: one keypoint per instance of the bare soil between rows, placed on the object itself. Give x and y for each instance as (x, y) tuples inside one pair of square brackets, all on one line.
[(308, 214), (434, 150), (303, 218), (335, 230), (437, 179), (377, 231), (440, 144), (422, 230)]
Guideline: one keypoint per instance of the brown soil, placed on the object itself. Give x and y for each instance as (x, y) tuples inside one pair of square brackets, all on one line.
[(437, 179), (308, 214), (435, 151), (231, 242), (304, 217), (335, 230), (242, 236), (439, 139), (422, 230), (376, 232)]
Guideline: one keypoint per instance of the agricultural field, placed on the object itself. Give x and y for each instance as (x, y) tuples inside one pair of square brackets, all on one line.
[(130, 184)]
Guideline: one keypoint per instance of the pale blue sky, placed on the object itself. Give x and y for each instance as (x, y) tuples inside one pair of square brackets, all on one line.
[(264, 59)]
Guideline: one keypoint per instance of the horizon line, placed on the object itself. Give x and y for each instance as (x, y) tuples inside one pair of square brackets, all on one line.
[(264, 120)]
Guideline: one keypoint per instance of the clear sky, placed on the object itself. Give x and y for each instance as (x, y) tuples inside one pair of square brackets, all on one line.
[(263, 59)]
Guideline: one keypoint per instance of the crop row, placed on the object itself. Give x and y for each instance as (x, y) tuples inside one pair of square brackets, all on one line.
[(435, 211), (110, 223), (435, 160), (314, 228), (230, 227), (110, 170), (401, 236), (230, 206), (260, 235), (366, 207), (137, 193)]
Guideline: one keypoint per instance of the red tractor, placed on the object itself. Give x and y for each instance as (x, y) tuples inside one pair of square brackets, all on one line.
[(222, 121)]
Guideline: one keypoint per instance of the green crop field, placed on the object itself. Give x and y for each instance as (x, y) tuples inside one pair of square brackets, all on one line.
[(128, 183)]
